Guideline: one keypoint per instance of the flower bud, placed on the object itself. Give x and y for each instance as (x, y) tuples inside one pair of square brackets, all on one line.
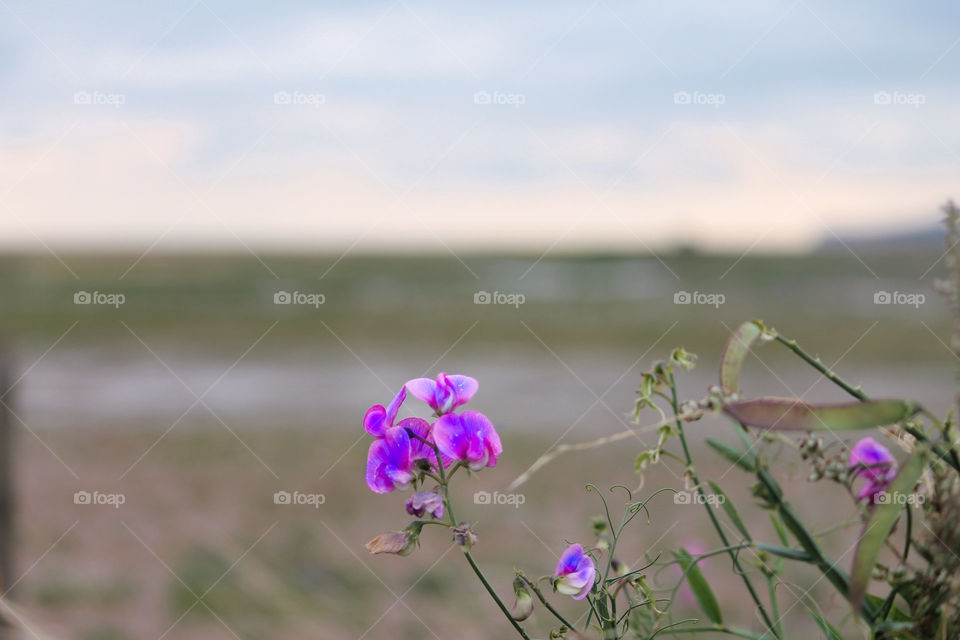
[(684, 359), (618, 568), (898, 573), (599, 525), (690, 411), (464, 536), (399, 543), (425, 502), (523, 607)]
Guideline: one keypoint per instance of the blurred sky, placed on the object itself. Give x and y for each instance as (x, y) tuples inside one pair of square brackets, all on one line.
[(537, 126)]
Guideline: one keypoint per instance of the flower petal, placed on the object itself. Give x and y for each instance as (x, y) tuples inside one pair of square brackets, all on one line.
[(484, 442), (418, 449), (395, 405), (871, 459), (388, 461), (377, 458), (399, 443), (423, 389), (588, 584), (451, 437), (463, 387), (375, 420), (569, 560)]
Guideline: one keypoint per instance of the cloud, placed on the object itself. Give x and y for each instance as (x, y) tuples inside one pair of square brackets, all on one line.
[(781, 118), (124, 188)]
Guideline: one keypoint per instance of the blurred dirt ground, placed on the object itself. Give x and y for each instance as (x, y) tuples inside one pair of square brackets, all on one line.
[(200, 550)]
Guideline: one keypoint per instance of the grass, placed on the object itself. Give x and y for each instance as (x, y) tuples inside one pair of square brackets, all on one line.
[(588, 302)]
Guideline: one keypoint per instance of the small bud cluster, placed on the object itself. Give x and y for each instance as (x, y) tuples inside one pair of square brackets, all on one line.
[(693, 410), (659, 376), (823, 466)]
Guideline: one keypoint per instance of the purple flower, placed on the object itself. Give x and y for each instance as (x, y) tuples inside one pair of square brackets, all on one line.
[(575, 573), (445, 394), (468, 437), (390, 461), (425, 502), (870, 460)]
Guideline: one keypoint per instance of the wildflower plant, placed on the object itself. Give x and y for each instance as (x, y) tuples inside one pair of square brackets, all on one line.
[(898, 463)]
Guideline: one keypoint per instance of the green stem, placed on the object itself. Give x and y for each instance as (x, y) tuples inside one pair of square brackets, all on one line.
[(493, 594), (545, 602), (775, 604), (856, 392), (733, 631), (908, 535), (599, 610), (674, 404), (466, 554), (792, 521)]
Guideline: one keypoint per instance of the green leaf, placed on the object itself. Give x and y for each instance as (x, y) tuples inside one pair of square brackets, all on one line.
[(895, 613), (698, 584), (790, 413), (879, 526), (731, 510), (735, 354), (784, 540), (781, 531), (785, 552), (829, 631), (746, 460)]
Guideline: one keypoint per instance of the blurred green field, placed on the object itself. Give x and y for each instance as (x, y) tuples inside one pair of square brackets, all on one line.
[(414, 302)]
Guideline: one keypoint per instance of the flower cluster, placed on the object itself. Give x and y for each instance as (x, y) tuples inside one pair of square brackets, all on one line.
[(402, 448), (409, 451)]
